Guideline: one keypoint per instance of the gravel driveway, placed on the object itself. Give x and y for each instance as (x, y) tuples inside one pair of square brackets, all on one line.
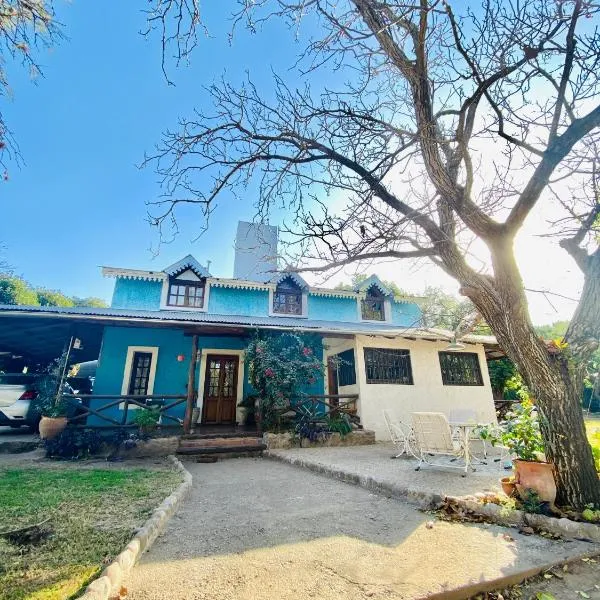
[(256, 529)]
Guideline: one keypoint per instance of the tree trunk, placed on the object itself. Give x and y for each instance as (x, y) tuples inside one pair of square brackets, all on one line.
[(553, 383)]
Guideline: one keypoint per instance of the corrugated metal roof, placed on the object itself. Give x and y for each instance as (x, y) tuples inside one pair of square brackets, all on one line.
[(183, 317)]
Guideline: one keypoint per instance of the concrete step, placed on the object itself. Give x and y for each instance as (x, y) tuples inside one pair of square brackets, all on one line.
[(224, 434), (220, 442), (223, 451)]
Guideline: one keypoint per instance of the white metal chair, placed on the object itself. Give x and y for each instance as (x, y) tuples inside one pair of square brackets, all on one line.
[(433, 436), (401, 434)]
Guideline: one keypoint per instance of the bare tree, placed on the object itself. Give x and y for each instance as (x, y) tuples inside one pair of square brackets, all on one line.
[(452, 129)]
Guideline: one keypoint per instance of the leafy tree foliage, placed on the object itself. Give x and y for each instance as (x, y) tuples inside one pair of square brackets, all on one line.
[(53, 298), (15, 290)]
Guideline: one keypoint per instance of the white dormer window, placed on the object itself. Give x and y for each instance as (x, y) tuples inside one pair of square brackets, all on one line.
[(287, 298), (186, 286), (185, 293), (373, 305)]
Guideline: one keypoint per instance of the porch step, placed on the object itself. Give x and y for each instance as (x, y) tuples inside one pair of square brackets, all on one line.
[(215, 442), (223, 451), (221, 445), (225, 435)]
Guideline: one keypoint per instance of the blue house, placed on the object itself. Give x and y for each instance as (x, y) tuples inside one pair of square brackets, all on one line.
[(156, 317)]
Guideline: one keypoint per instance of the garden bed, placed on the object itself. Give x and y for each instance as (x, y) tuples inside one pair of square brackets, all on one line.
[(92, 514)]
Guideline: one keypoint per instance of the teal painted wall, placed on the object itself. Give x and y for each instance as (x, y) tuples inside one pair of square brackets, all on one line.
[(137, 294), (406, 314), (327, 308), (171, 375), (233, 301), (145, 295)]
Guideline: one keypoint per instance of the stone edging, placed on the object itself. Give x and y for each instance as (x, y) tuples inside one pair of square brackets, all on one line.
[(502, 516), (108, 585), (429, 500)]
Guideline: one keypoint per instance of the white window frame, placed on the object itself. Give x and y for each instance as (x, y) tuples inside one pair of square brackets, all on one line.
[(165, 294), (131, 350), (272, 313), (387, 310)]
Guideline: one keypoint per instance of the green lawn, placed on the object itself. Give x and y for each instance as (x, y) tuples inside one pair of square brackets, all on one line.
[(93, 514)]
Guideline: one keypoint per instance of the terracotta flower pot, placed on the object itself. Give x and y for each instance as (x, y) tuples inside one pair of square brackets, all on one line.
[(508, 486), (537, 476), (51, 427)]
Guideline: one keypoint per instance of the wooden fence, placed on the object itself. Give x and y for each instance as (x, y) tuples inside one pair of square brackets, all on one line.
[(81, 403)]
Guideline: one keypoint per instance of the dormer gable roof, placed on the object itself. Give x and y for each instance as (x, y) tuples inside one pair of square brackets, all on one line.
[(187, 262), (374, 281), (283, 275)]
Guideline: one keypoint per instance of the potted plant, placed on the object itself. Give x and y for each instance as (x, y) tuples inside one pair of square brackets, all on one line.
[(520, 433), (147, 419), (53, 408)]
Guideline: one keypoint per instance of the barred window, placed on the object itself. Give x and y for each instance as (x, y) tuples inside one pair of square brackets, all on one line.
[(373, 305), (287, 298), (186, 293), (386, 365), (346, 369), (460, 368)]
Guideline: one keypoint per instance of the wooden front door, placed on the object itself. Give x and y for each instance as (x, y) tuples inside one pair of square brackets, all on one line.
[(220, 389)]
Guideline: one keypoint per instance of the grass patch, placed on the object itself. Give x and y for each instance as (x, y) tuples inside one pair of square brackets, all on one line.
[(93, 514), (593, 432)]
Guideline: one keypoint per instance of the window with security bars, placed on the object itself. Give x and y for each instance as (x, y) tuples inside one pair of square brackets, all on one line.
[(373, 305), (460, 368), (387, 365), (186, 293), (140, 373), (287, 298)]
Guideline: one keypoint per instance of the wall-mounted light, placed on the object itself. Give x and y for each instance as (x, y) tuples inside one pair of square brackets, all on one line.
[(180, 358)]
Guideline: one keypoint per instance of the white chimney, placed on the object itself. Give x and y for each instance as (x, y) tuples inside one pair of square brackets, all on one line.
[(255, 251)]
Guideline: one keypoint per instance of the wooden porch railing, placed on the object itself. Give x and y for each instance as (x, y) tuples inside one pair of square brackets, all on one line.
[(80, 401), (315, 407)]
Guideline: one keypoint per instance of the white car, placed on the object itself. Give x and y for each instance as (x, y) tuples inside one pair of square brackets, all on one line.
[(18, 406)]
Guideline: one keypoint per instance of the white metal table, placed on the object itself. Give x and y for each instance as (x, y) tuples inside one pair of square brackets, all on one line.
[(464, 429)]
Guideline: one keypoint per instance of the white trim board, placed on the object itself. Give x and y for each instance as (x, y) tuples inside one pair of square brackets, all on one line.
[(131, 350)]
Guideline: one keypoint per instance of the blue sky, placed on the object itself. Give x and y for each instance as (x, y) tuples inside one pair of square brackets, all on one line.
[(79, 200)]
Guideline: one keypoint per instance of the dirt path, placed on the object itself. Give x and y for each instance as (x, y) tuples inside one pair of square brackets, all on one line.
[(257, 529)]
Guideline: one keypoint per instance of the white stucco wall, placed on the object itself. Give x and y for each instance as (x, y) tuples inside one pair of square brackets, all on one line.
[(427, 394)]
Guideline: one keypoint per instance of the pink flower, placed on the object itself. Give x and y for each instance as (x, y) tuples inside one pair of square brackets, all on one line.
[(269, 372), (311, 380), (306, 351), (259, 350)]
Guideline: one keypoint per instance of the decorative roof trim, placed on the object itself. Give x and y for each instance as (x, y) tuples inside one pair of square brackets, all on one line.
[(133, 274), (371, 281), (332, 293), (187, 262), (283, 275), (241, 284)]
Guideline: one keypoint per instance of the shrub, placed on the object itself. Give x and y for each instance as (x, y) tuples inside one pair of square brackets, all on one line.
[(73, 444)]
